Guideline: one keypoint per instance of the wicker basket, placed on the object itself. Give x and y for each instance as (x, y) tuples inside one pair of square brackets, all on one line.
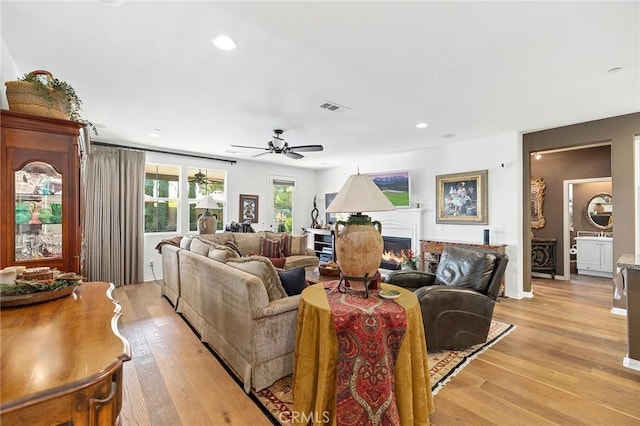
[(330, 272), (24, 97)]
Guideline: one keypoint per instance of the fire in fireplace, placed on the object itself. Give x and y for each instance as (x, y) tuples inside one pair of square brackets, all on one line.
[(391, 257)]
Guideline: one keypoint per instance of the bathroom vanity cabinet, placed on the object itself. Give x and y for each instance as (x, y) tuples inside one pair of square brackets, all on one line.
[(595, 256)]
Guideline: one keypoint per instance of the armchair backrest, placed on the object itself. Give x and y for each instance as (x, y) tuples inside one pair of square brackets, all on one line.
[(473, 268)]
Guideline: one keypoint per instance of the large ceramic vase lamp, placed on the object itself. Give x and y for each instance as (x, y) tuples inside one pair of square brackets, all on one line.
[(207, 223), (359, 243)]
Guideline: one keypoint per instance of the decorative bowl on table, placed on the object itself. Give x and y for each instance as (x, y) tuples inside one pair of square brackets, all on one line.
[(28, 292)]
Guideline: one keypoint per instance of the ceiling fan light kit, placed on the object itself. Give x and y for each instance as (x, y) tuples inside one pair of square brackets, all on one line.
[(279, 146)]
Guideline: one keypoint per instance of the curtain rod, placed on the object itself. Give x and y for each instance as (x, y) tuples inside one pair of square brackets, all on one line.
[(159, 151)]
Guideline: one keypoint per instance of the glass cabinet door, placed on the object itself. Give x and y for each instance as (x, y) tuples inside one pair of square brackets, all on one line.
[(38, 212)]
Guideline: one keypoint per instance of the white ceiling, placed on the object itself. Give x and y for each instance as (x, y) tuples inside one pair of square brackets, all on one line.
[(472, 69)]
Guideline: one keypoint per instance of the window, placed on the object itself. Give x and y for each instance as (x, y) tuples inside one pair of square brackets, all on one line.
[(161, 192), (203, 182), (283, 190)]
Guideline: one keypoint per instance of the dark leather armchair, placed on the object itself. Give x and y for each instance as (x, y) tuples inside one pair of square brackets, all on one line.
[(457, 301)]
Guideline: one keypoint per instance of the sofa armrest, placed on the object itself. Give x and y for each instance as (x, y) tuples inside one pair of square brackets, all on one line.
[(279, 306)]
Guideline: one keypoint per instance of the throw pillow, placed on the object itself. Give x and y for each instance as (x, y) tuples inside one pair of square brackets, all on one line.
[(222, 255), (293, 281), (233, 247), (278, 262), (262, 268), (271, 248), (200, 247), (285, 240), (185, 242)]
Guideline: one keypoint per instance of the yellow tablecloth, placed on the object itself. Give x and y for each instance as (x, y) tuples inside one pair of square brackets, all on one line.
[(314, 388)]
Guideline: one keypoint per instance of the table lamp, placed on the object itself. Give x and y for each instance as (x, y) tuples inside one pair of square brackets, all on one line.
[(359, 244), (207, 223)]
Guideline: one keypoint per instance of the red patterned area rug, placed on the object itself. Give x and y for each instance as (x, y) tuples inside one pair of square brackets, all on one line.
[(277, 400)]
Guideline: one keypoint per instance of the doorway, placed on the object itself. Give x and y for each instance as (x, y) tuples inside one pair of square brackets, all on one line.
[(573, 208)]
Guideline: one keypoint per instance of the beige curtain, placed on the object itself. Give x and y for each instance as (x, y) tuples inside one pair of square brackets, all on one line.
[(114, 219)]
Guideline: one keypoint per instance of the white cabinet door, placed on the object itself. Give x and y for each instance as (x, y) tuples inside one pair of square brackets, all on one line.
[(606, 256), (588, 255)]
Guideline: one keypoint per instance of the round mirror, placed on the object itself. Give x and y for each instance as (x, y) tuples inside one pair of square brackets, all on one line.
[(600, 211)]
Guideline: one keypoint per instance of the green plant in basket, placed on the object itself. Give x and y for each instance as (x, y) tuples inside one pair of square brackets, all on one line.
[(50, 87)]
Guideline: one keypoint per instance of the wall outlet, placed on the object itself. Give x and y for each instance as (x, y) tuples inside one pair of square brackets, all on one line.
[(151, 263)]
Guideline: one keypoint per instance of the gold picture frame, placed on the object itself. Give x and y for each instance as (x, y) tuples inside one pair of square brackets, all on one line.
[(537, 200), (462, 198)]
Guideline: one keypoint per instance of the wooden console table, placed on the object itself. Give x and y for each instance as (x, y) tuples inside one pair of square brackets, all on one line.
[(430, 251), (62, 360)]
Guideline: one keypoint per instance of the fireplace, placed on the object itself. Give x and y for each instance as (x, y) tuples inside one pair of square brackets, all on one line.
[(391, 254)]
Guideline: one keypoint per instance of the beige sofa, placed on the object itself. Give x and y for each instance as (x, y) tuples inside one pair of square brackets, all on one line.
[(247, 243), (236, 305)]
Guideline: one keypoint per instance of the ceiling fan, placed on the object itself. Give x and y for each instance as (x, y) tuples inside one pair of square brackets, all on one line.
[(200, 178), (279, 146)]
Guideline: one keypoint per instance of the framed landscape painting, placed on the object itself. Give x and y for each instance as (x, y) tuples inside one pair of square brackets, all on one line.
[(394, 185), (462, 198)]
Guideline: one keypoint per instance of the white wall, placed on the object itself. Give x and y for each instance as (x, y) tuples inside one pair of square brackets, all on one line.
[(8, 72), (242, 178), (500, 155)]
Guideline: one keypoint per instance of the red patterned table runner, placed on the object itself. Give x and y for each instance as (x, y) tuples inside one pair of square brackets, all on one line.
[(369, 333)]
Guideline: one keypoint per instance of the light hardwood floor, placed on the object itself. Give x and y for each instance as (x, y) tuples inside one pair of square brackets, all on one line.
[(561, 366)]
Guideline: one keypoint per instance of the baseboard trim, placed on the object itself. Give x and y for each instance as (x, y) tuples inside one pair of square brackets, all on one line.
[(619, 311), (631, 363)]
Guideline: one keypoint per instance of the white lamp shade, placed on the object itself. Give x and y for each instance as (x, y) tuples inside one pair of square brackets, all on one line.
[(207, 202), (360, 194)]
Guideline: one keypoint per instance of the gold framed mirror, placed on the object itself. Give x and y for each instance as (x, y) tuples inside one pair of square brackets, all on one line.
[(537, 199), (599, 211)]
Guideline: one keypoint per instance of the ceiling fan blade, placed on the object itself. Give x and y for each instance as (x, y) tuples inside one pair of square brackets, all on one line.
[(308, 148), (262, 153), (294, 155), (250, 147)]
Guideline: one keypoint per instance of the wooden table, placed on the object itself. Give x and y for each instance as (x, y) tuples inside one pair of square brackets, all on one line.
[(62, 360), (314, 380)]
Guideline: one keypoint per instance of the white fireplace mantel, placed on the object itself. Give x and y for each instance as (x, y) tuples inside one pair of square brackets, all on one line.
[(406, 223)]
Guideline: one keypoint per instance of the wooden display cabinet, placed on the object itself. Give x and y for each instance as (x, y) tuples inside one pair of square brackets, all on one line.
[(40, 213)]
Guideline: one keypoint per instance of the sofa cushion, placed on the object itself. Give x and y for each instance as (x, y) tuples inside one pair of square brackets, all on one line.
[(297, 261), (466, 268), (262, 268), (271, 248), (293, 281), (298, 245), (221, 238), (248, 243)]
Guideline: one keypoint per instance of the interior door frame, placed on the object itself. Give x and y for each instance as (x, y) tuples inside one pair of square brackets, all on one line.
[(566, 234)]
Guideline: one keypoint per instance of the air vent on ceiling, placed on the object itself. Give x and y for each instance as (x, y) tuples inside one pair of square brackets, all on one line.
[(332, 106)]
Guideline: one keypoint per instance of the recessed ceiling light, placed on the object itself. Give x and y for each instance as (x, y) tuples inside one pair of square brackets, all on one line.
[(224, 43), (422, 125), (155, 133)]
